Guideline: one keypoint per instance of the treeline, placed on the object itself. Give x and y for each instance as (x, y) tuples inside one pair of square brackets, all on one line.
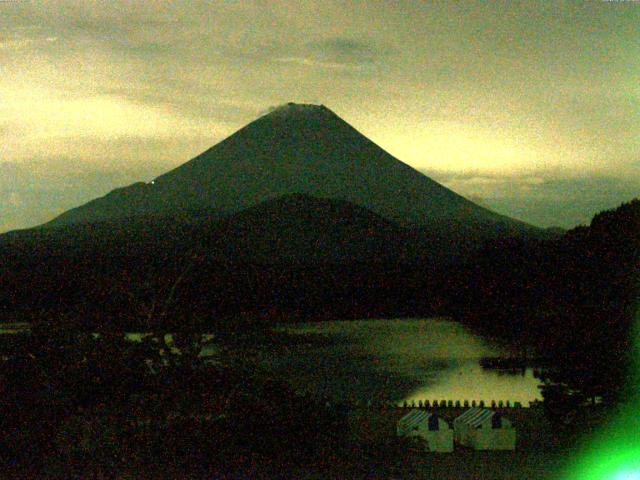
[(74, 404), (77, 405), (140, 293), (295, 257), (571, 300), (565, 296), (173, 276)]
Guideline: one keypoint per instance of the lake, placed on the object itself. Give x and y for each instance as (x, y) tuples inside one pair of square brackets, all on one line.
[(383, 360), (392, 360)]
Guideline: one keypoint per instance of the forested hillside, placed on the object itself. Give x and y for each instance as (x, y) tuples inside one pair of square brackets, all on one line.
[(572, 299)]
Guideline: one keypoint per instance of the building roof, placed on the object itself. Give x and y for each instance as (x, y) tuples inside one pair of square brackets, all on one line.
[(414, 418), (475, 417), (420, 417)]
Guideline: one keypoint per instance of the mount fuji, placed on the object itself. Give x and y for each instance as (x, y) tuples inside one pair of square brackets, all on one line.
[(296, 149)]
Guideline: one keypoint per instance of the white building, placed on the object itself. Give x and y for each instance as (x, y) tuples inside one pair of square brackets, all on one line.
[(435, 432), (484, 429)]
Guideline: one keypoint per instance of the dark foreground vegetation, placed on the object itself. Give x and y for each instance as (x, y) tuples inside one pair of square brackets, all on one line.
[(571, 300), (77, 405), (296, 257)]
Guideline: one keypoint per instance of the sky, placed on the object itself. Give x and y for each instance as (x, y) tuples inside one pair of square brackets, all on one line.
[(529, 108)]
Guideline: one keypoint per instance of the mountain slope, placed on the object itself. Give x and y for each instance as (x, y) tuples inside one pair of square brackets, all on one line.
[(296, 253), (303, 229), (295, 149), (293, 228)]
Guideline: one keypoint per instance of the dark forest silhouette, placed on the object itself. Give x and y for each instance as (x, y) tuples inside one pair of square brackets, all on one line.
[(74, 402), (571, 300)]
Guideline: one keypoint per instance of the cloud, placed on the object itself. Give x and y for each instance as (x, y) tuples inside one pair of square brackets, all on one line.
[(15, 43), (21, 40), (35, 191), (500, 95), (543, 199), (311, 62), (43, 121), (346, 51), (337, 53), (190, 100)]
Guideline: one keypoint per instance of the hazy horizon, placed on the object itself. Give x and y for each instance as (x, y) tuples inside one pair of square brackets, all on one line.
[(528, 108)]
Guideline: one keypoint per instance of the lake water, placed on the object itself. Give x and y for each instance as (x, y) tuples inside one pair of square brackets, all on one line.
[(393, 360)]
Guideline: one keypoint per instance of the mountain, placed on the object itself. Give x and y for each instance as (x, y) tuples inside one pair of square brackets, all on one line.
[(297, 148), (296, 255), (303, 229), (296, 215), (294, 228)]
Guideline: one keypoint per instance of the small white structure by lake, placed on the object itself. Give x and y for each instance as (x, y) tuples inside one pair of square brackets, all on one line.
[(435, 431), (484, 429)]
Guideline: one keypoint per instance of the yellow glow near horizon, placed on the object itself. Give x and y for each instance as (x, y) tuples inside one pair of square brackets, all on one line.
[(475, 91), (456, 146), (76, 115)]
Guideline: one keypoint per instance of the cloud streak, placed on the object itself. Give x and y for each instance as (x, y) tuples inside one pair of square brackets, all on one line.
[(340, 54), (544, 199), (35, 191)]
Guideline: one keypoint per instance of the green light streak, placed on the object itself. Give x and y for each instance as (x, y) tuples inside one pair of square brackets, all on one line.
[(614, 454)]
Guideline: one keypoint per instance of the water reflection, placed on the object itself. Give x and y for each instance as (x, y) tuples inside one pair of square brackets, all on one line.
[(397, 360), (471, 382), (390, 360)]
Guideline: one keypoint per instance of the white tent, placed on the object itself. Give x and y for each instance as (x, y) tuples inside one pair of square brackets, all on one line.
[(484, 429), (428, 426)]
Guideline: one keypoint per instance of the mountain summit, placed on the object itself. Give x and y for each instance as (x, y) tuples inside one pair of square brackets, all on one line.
[(295, 148)]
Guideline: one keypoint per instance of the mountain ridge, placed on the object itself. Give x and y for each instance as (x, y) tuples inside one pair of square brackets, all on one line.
[(297, 148)]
